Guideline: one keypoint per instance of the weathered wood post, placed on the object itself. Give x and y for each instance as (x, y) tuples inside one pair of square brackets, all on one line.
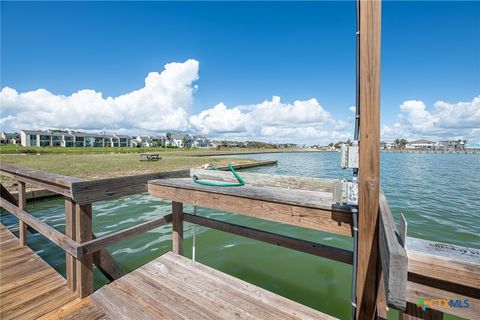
[(177, 227), (70, 231), (22, 204), (369, 157), (84, 265)]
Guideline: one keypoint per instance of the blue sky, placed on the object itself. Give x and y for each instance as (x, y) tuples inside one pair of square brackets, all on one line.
[(248, 53)]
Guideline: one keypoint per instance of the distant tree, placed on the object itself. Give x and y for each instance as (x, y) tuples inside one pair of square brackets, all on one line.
[(403, 143), (168, 135), (184, 141)]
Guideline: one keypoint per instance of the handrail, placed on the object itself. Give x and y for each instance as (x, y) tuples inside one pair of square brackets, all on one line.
[(100, 243), (318, 249), (61, 240)]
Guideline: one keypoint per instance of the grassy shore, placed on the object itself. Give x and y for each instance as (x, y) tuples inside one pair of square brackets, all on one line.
[(14, 149), (97, 166)]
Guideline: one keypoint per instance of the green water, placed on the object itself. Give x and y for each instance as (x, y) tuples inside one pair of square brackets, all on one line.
[(438, 193)]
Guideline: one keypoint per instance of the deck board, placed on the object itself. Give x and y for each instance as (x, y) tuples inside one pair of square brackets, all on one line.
[(174, 287), (31, 289)]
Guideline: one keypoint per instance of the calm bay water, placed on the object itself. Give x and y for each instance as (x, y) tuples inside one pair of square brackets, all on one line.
[(438, 194)]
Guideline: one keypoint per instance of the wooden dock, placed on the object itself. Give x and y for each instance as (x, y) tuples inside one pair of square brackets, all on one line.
[(174, 287), (30, 288)]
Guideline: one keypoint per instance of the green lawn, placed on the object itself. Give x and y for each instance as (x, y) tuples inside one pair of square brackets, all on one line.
[(98, 166), (14, 149)]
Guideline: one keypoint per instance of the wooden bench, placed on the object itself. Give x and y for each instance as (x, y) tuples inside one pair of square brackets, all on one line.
[(150, 157)]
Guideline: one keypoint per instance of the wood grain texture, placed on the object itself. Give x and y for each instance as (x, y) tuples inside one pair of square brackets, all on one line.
[(49, 181), (308, 209), (177, 227), (84, 264), (103, 189), (321, 250), (394, 261), (7, 195), (445, 262), (22, 205), (174, 287), (428, 290), (31, 289), (369, 157), (58, 238), (70, 232), (267, 180)]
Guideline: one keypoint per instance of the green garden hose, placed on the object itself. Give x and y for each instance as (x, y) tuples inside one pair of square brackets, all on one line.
[(240, 180)]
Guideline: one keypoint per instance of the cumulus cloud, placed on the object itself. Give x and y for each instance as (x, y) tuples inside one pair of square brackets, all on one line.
[(161, 104), (445, 120), (271, 120)]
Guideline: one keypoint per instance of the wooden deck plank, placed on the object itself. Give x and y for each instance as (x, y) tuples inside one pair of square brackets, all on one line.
[(174, 287), (30, 288)]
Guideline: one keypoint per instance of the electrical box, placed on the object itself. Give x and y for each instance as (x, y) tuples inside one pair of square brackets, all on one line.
[(345, 192), (349, 157)]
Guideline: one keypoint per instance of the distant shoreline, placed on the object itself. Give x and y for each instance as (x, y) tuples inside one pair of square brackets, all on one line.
[(465, 151)]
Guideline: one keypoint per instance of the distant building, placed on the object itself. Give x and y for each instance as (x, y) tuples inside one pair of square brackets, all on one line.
[(181, 140), (143, 141), (200, 142), (452, 144), (387, 145), (70, 139), (9, 137), (421, 144)]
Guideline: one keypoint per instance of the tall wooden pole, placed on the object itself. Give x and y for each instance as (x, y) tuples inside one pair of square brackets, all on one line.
[(84, 265), (369, 158), (177, 227)]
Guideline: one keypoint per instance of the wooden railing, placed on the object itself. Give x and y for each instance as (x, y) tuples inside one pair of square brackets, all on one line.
[(82, 248)]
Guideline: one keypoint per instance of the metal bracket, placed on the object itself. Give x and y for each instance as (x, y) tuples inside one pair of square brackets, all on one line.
[(345, 192), (349, 156)]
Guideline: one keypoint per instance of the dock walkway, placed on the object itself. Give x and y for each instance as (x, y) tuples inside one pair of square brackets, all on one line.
[(174, 287), (31, 289)]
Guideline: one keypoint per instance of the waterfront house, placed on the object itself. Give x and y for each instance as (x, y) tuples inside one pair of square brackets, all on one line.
[(452, 144), (200, 142), (181, 140), (421, 144), (9, 137), (143, 141), (65, 138), (387, 145)]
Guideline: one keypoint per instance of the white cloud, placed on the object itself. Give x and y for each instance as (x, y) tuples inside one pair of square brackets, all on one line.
[(163, 104), (302, 120), (160, 105), (445, 120)]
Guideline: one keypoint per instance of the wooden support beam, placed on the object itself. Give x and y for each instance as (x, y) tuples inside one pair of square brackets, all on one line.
[(7, 195), (412, 312), (302, 208), (22, 204), (177, 227), (104, 261), (52, 234), (321, 250), (100, 243), (83, 223), (70, 231), (394, 261), (369, 157)]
